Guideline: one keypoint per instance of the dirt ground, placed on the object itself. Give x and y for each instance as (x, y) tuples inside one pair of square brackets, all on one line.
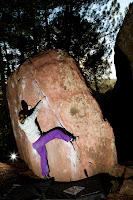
[(17, 182)]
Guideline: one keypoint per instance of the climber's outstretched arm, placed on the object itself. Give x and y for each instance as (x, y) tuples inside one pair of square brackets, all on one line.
[(37, 108), (43, 99)]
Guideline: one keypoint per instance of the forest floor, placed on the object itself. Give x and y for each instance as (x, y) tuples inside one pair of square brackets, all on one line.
[(17, 182)]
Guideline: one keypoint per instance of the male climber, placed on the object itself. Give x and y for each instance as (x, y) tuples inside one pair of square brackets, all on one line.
[(28, 125)]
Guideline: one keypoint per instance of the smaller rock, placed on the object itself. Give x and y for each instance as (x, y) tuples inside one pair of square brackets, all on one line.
[(117, 171), (111, 196), (129, 172), (115, 186), (127, 188)]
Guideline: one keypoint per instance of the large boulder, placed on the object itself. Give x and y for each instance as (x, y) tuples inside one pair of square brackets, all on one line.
[(69, 103), (122, 101), (125, 37)]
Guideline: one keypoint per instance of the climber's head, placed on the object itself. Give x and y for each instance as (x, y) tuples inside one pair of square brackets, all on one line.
[(22, 116)]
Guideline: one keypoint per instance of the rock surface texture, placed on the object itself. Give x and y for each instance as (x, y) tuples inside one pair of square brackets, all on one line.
[(69, 103), (125, 37), (122, 105)]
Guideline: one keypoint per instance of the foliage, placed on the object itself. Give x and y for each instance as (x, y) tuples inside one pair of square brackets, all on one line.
[(104, 85), (81, 27), (76, 26)]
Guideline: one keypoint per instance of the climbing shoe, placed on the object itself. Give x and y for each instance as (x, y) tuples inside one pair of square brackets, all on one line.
[(74, 138), (47, 177)]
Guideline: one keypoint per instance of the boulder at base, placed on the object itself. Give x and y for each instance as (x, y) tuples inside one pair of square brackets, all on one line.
[(68, 103)]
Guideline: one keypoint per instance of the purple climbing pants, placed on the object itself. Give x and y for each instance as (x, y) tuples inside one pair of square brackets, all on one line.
[(39, 145)]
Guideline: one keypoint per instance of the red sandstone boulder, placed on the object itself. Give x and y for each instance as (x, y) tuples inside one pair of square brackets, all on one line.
[(69, 103)]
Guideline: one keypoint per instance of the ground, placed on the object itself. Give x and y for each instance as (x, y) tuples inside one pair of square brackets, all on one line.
[(18, 182)]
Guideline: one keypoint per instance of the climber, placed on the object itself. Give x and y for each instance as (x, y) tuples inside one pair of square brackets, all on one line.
[(28, 125)]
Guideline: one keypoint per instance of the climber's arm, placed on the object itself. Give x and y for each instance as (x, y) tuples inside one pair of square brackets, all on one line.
[(43, 99), (37, 108)]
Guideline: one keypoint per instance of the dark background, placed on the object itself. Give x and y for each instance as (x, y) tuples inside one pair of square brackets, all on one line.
[(28, 27)]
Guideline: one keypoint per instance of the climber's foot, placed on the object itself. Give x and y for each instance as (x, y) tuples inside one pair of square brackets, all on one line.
[(47, 177), (74, 138)]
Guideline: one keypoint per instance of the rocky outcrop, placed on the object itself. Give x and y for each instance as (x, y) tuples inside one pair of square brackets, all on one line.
[(127, 188), (69, 103), (125, 37), (120, 107)]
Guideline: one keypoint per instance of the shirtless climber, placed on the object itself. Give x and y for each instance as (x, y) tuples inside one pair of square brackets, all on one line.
[(28, 125)]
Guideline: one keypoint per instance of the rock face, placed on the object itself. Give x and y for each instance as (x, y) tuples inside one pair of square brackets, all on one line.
[(122, 101), (69, 103), (125, 37), (127, 188)]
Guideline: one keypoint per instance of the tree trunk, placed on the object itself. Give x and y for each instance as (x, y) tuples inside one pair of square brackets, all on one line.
[(21, 48), (34, 33), (67, 27), (7, 60), (2, 71), (95, 81), (47, 27), (3, 85), (35, 41)]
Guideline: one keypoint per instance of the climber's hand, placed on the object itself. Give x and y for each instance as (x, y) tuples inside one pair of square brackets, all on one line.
[(29, 107), (43, 99)]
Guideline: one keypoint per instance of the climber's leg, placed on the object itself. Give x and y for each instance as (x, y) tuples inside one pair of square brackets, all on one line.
[(56, 133), (39, 145), (43, 155)]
